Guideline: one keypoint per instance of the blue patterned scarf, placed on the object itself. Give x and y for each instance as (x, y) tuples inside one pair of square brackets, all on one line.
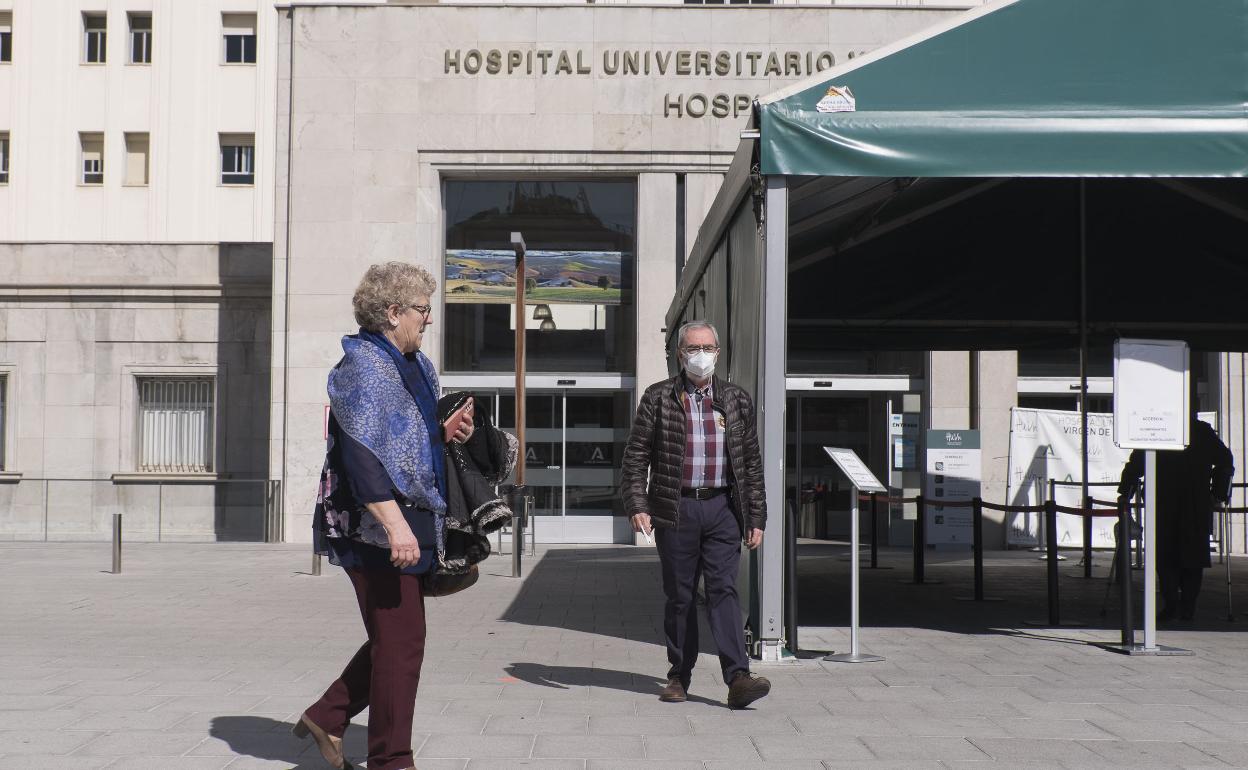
[(388, 403)]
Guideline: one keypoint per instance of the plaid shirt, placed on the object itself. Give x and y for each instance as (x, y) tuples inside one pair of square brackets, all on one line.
[(705, 462)]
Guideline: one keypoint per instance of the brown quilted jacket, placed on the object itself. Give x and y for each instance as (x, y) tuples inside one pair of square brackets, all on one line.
[(656, 448)]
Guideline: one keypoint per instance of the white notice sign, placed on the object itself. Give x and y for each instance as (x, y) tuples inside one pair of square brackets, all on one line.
[(954, 471), (852, 466), (1150, 394)]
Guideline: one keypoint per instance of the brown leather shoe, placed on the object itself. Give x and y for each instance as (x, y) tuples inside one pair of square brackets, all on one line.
[(330, 746), (674, 692), (745, 689)]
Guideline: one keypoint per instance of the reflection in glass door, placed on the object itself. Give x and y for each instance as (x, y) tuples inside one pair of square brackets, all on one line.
[(575, 443), (813, 481)]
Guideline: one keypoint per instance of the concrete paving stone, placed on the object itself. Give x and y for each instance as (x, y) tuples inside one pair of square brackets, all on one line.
[(232, 743), (1009, 750), (253, 722), (937, 727), (153, 742), (226, 704), (544, 724), (52, 762), (922, 748), (1060, 729), (915, 694), (959, 692), (703, 747), (37, 702), (1234, 753), (590, 746), (1145, 712), (1135, 730), (199, 687), (785, 765), (260, 763), (592, 708), (170, 763), (1227, 697), (493, 706), (478, 746), (40, 720), (697, 704), (1138, 753), (545, 763), (644, 764), (129, 720), (826, 724), (1167, 697), (439, 763), (776, 748), (639, 725), (23, 742), (1062, 711), (40, 686), (870, 709)]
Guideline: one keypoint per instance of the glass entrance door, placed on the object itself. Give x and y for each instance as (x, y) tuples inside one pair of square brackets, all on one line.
[(575, 442), (813, 482)]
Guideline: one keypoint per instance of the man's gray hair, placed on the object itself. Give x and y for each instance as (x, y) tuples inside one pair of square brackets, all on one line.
[(686, 328)]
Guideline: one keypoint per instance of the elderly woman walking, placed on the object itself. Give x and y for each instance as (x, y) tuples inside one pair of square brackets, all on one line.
[(381, 502)]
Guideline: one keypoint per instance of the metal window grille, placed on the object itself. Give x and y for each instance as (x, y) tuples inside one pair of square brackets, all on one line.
[(96, 38), (140, 39), (175, 424), (237, 164)]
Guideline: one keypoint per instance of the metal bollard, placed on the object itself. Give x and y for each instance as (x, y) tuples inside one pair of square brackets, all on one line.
[(116, 543), (977, 522), (519, 505), (1123, 555), (1050, 531), (316, 565)]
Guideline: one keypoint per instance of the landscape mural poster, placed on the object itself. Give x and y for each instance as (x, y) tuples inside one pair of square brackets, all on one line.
[(551, 277)]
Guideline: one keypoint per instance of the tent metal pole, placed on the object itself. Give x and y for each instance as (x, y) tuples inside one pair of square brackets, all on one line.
[(1083, 374), (771, 400)]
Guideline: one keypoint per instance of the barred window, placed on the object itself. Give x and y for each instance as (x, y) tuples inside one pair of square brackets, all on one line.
[(175, 424)]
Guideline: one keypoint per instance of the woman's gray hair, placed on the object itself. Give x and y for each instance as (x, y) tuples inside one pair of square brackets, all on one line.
[(390, 283), (686, 328)]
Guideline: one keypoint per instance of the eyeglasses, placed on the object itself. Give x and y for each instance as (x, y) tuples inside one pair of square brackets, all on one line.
[(702, 348), (424, 310)]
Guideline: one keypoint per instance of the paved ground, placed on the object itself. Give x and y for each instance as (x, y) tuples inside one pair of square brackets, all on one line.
[(200, 656)]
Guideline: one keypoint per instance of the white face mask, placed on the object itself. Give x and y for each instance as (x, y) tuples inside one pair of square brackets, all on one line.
[(700, 364)]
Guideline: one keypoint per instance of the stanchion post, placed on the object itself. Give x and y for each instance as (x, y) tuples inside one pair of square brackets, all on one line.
[(977, 523), (920, 539), (518, 503), (316, 565), (1050, 534), (1087, 537), (1125, 593), (875, 530), (116, 543)]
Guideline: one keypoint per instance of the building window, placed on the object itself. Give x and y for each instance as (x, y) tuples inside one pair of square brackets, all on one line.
[(6, 37), (140, 38), (137, 149), (175, 424), (238, 153), (4, 158), (239, 34), (92, 153), (581, 236), (95, 38)]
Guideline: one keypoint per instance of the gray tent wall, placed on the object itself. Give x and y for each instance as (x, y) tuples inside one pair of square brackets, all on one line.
[(735, 278)]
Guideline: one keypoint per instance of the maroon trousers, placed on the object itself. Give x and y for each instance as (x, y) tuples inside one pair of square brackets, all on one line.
[(385, 672)]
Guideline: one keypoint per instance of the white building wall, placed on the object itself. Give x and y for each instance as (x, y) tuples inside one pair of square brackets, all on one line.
[(183, 100)]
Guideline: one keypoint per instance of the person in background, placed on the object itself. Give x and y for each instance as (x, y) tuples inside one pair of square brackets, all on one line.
[(1189, 483), (693, 476)]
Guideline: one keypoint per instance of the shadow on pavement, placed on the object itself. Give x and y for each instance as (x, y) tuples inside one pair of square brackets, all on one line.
[(565, 677), (269, 739)]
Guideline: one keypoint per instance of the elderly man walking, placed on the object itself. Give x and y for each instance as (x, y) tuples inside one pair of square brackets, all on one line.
[(694, 437)]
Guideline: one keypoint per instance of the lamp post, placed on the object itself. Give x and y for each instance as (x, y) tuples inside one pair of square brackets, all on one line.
[(519, 494)]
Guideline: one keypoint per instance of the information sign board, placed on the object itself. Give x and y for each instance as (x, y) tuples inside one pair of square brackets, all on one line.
[(854, 469), (954, 472), (1151, 394)]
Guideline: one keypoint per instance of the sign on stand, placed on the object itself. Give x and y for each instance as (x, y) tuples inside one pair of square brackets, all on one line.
[(954, 472), (1151, 413), (864, 481)]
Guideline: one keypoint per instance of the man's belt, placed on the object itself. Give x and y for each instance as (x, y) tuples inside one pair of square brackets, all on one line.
[(703, 493)]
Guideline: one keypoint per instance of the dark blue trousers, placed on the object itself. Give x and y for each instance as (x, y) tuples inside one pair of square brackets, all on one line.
[(707, 544)]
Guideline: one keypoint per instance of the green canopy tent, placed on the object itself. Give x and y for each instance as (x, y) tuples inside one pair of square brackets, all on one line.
[(1032, 174)]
